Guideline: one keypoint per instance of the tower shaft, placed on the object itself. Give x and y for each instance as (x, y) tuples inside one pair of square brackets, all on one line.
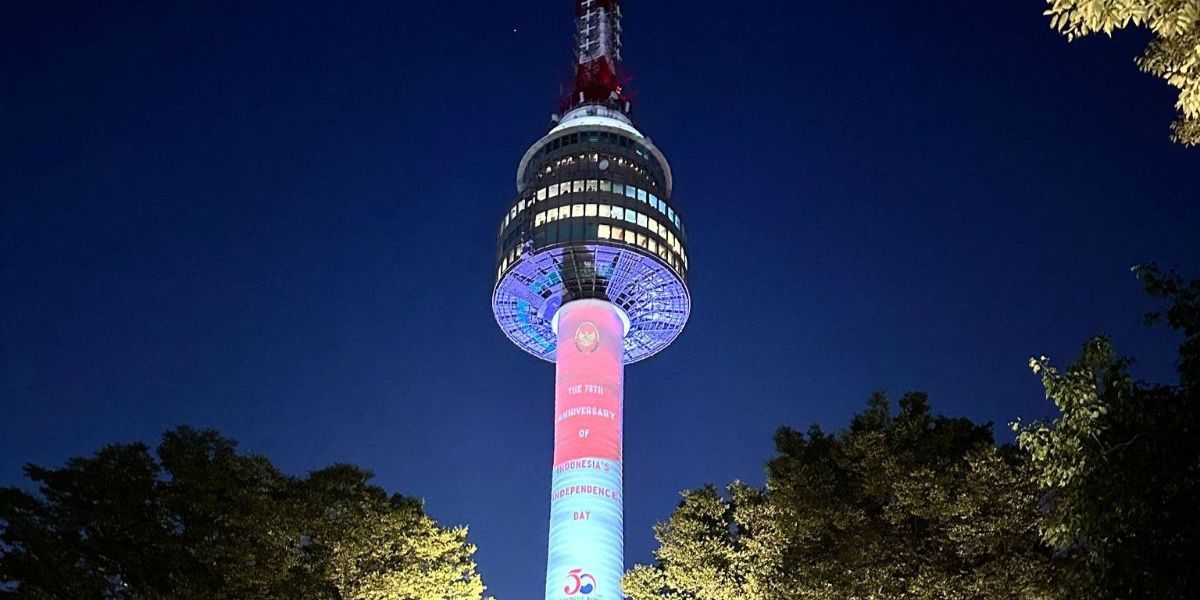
[(586, 557)]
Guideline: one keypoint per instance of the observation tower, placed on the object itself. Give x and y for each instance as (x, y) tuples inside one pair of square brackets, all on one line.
[(591, 275)]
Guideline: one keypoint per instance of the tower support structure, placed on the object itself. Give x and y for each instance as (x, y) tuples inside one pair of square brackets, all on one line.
[(585, 556), (591, 274)]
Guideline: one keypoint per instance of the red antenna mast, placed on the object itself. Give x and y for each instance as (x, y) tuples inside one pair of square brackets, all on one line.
[(598, 55)]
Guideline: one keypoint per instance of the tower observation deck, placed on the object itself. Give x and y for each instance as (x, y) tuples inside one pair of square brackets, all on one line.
[(591, 274)]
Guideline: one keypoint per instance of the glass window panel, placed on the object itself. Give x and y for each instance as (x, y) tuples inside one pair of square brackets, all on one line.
[(605, 185), (564, 212), (653, 245), (577, 185), (630, 216), (641, 219), (630, 237), (540, 219), (642, 195), (603, 232), (589, 210), (541, 194), (671, 238), (653, 200), (618, 233), (618, 212), (576, 210), (605, 210), (618, 188), (552, 215), (592, 185), (521, 205), (577, 230), (553, 190), (671, 214), (641, 240), (631, 191)]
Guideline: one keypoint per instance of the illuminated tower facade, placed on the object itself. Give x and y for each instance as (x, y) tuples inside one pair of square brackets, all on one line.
[(591, 275)]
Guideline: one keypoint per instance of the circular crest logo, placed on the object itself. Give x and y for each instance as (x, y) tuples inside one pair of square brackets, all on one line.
[(587, 337), (579, 582)]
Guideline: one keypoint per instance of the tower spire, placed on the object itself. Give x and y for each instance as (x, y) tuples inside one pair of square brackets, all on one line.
[(598, 55)]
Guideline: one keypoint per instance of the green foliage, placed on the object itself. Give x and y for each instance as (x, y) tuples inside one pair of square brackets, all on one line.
[(1173, 55), (896, 506), (202, 522), (1101, 502), (1120, 466)]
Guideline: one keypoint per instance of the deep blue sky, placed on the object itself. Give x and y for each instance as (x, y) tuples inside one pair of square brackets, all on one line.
[(278, 218)]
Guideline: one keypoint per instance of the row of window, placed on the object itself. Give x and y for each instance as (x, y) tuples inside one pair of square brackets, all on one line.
[(592, 185), (604, 137), (595, 157), (577, 230), (608, 211)]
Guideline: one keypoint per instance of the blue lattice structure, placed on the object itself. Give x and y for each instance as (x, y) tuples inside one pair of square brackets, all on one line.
[(593, 218)]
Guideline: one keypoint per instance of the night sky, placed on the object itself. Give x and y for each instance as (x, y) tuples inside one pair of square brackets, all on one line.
[(278, 219)]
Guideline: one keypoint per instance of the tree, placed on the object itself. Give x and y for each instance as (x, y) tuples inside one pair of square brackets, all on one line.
[(1120, 466), (198, 521), (1173, 55), (896, 506)]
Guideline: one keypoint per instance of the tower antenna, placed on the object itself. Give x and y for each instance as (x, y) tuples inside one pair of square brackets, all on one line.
[(598, 55)]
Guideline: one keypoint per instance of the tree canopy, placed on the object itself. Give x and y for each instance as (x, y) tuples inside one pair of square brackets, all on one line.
[(904, 505), (1119, 468), (1103, 501), (198, 520), (1173, 55)]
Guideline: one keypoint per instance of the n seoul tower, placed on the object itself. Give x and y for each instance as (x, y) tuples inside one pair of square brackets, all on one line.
[(591, 275)]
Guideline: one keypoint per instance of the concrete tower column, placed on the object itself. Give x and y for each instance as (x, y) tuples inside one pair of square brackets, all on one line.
[(586, 557)]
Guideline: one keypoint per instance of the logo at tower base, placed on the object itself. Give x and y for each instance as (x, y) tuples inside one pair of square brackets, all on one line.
[(587, 337), (579, 583)]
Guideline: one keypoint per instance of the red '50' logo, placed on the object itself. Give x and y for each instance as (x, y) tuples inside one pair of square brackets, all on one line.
[(579, 582)]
